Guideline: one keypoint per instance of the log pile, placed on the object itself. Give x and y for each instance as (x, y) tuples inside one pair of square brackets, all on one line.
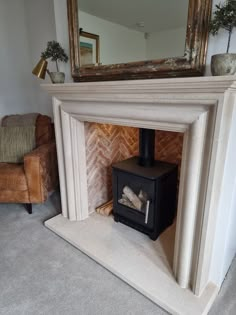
[(129, 199), (106, 208)]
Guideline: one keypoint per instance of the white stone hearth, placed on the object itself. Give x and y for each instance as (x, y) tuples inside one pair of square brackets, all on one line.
[(204, 110), (135, 259)]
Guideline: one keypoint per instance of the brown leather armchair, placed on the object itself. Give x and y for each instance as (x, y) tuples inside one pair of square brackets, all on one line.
[(31, 181)]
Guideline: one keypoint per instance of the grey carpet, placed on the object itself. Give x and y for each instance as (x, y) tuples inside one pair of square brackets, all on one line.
[(42, 274)]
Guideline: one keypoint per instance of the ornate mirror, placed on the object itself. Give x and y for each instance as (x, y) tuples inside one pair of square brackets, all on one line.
[(137, 39)]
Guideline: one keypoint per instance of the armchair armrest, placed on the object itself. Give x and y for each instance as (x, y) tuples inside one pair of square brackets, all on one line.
[(41, 172)]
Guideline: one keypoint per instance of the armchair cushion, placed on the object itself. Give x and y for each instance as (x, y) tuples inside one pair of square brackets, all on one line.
[(19, 120), (44, 130), (15, 142)]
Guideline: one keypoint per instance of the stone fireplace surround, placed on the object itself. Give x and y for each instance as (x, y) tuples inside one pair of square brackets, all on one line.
[(201, 108)]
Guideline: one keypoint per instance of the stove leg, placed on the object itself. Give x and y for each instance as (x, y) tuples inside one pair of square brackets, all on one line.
[(116, 219)]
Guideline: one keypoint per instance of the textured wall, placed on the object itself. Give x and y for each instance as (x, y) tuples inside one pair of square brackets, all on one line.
[(39, 33), (107, 144), (16, 87), (118, 43)]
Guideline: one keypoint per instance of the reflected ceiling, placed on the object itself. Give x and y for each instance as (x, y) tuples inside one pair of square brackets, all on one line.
[(155, 14)]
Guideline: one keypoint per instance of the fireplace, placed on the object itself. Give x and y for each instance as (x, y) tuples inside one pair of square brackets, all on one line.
[(145, 190), (204, 110)]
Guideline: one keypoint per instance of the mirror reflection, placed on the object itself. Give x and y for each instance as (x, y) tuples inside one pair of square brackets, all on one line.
[(113, 32)]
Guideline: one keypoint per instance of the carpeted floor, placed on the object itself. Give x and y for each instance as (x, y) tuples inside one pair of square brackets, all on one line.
[(42, 274)]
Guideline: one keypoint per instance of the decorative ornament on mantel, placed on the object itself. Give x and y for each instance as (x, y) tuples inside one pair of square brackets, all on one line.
[(56, 53), (224, 17)]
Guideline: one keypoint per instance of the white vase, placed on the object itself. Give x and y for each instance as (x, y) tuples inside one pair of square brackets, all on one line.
[(57, 77), (223, 64)]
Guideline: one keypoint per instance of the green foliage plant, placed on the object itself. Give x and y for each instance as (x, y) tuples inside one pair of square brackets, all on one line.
[(224, 17), (55, 52)]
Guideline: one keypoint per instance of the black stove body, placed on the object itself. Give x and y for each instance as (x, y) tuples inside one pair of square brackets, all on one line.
[(145, 190)]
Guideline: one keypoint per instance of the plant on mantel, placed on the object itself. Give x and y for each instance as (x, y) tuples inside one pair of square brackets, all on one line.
[(57, 54), (224, 17)]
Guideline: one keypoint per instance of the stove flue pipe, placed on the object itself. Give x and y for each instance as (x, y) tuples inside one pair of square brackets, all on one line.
[(146, 147)]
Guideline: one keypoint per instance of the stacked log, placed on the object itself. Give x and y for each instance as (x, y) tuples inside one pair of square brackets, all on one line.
[(132, 197), (106, 208)]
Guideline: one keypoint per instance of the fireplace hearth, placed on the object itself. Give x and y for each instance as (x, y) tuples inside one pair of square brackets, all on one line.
[(145, 190)]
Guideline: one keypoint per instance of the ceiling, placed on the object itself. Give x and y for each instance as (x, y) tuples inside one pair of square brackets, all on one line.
[(156, 15)]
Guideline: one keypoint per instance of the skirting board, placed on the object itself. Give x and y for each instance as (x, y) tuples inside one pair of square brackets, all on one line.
[(133, 257)]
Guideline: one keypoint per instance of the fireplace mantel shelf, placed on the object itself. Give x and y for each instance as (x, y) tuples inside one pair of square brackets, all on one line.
[(217, 84), (204, 110)]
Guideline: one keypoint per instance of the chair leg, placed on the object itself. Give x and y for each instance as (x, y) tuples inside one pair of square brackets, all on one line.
[(28, 207)]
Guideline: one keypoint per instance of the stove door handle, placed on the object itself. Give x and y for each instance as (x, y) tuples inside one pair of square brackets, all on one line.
[(147, 211)]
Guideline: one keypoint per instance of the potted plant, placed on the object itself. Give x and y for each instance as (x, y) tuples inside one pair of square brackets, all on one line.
[(224, 17), (57, 54)]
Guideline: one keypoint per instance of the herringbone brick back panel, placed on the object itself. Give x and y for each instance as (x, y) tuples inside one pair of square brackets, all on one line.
[(168, 146), (107, 144)]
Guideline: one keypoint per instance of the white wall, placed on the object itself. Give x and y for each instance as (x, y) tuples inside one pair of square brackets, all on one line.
[(216, 44), (61, 29), (166, 43), (24, 34), (41, 28), (25, 28), (17, 93), (118, 44)]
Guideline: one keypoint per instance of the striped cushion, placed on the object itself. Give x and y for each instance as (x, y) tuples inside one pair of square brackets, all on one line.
[(15, 142), (19, 120)]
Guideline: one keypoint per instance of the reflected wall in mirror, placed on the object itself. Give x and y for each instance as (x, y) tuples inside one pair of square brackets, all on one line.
[(140, 38), (136, 30)]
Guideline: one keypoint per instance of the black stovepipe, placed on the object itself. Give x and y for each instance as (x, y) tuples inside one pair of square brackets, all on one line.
[(146, 147)]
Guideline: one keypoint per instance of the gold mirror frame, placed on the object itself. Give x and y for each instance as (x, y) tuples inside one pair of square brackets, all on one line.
[(191, 64)]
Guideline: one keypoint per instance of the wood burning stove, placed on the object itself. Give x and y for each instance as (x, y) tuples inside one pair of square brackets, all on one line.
[(145, 190)]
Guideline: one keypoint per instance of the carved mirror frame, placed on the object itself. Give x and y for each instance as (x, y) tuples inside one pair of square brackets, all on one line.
[(191, 64)]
